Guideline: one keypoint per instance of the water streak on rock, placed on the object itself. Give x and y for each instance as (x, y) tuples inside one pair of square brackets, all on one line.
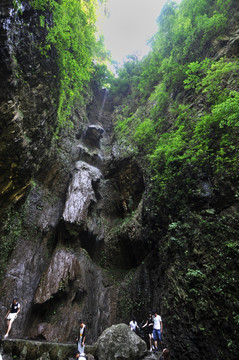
[(103, 103)]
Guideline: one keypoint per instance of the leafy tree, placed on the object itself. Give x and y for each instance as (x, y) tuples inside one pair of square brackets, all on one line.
[(125, 85)]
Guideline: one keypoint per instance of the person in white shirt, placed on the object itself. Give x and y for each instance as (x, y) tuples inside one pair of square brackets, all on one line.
[(81, 338), (157, 329), (133, 325)]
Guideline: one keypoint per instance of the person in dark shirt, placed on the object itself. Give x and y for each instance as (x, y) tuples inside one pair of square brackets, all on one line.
[(12, 315), (149, 329)]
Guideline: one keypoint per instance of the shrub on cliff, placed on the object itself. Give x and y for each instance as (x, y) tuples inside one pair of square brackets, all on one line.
[(72, 34)]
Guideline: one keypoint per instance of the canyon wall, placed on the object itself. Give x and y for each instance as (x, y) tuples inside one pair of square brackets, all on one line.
[(80, 235)]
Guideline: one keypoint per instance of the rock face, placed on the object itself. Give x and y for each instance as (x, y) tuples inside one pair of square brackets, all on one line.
[(81, 193), (63, 224), (71, 288), (80, 237), (26, 87), (119, 342), (64, 267), (93, 135), (55, 286)]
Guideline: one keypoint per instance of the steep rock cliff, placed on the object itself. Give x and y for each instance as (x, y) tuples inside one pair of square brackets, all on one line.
[(59, 196), (81, 236)]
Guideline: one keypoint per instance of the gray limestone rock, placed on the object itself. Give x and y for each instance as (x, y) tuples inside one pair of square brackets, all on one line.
[(64, 267), (25, 349), (81, 192), (119, 342), (62, 298)]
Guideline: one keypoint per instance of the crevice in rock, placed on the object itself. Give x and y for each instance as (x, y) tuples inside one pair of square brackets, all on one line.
[(90, 243)]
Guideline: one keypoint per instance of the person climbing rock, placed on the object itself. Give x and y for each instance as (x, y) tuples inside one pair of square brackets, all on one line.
[(157, 329), (133, 324), (12, 315), (81, 338), (149, 329)]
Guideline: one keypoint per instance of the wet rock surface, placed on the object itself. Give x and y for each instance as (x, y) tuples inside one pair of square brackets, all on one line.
[(93, 135)]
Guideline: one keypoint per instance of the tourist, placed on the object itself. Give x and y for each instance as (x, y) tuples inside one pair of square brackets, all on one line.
[(133, 325), (149, 329), (81, 338), (12, 315), (157, 329)]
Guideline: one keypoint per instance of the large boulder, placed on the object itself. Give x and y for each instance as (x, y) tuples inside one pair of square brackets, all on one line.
[(119, 342)]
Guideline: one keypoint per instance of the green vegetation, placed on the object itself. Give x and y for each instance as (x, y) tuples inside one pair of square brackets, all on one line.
[(207, 141), (130, 299), (182, 140), (177, 111), (71, 32), (205, 268), (17, 6), (10, 235)]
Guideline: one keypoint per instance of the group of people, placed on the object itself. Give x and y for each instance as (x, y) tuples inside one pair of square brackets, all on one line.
[(154, 329), (153, 325)]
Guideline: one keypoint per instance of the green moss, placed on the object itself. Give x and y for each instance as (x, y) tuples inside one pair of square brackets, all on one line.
[(11, 232), (132, 299)]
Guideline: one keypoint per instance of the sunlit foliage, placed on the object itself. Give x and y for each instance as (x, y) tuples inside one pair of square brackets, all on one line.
[(183, 141)]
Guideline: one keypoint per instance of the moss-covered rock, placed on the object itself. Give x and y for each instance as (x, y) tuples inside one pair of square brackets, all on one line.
[(26, 349)]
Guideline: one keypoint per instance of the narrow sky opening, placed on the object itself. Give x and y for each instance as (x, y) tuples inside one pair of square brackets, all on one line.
[(129, 26)]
